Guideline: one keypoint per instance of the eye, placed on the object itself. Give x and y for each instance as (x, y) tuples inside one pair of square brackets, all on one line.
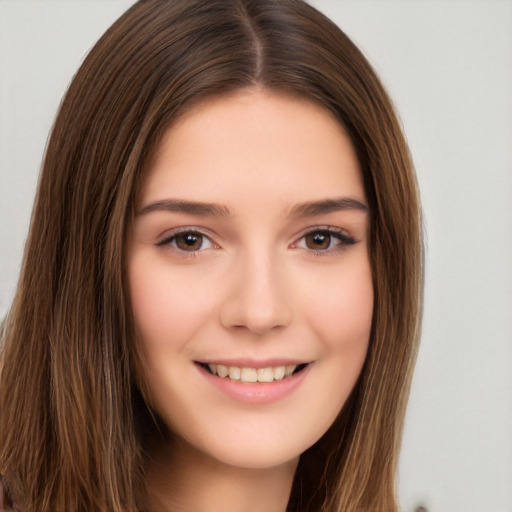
[(187, 241), (323, 240)]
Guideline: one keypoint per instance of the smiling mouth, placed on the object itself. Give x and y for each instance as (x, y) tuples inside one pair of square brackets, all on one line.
[(251, 375)]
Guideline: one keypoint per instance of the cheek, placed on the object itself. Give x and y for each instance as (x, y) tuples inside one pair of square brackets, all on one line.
[(164, 316), (342, 312)]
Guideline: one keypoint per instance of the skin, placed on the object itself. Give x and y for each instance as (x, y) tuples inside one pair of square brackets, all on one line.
[(263, 279)]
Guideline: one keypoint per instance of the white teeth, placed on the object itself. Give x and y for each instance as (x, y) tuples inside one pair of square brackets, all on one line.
[(222, 371), (279, 372), (234, 373), (249, 375), (267, 374), (289, 369)]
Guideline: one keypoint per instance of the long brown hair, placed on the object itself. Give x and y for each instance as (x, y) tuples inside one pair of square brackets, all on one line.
[(70, 414)]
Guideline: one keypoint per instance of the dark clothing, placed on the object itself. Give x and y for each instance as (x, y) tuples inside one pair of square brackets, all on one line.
[(7, 503)]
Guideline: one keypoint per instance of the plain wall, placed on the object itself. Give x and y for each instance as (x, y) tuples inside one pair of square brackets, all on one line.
[(448, 66)]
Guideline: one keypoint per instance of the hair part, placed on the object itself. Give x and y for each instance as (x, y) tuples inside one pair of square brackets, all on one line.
[(71, 414)]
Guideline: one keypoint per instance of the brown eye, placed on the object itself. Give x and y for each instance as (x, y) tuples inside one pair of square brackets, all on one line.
[(189, 241), (318, 240), (324, 240)]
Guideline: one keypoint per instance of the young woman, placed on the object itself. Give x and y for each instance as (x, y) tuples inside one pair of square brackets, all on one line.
[(220, 298)]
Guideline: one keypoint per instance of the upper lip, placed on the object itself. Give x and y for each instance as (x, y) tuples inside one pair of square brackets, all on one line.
[(254, 363)]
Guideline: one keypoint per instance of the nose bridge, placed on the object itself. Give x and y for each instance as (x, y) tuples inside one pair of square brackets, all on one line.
[(259, 294)]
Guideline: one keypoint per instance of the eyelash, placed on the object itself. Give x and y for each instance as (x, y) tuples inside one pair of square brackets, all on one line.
[(343, 240), (169, 241)]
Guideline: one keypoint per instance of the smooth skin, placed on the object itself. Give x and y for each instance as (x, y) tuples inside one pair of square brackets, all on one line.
[(250, 243)]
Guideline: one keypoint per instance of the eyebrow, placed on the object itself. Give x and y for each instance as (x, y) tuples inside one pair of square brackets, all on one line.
[(307, 209), (190, 207), (312, 208)]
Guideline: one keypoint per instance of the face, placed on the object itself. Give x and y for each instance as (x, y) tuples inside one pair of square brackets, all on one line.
[(249, 277)]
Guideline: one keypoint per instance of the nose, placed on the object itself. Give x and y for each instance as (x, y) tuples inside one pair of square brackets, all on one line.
[(258, 296)]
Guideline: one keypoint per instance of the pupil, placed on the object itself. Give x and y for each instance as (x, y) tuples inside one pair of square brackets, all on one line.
[(318, 241), (189, 241)]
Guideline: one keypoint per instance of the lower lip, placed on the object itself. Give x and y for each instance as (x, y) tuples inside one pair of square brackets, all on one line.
[(256, 393)]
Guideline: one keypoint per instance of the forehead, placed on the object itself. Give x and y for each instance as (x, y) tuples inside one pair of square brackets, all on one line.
[(254, 144)]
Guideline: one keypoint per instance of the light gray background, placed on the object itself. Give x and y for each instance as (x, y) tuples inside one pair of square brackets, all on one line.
[(448, 66)]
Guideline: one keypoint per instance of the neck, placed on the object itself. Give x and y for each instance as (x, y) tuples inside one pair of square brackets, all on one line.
[(179, 478)]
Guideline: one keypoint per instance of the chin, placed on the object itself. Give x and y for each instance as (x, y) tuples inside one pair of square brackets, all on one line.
[(255, 457)]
